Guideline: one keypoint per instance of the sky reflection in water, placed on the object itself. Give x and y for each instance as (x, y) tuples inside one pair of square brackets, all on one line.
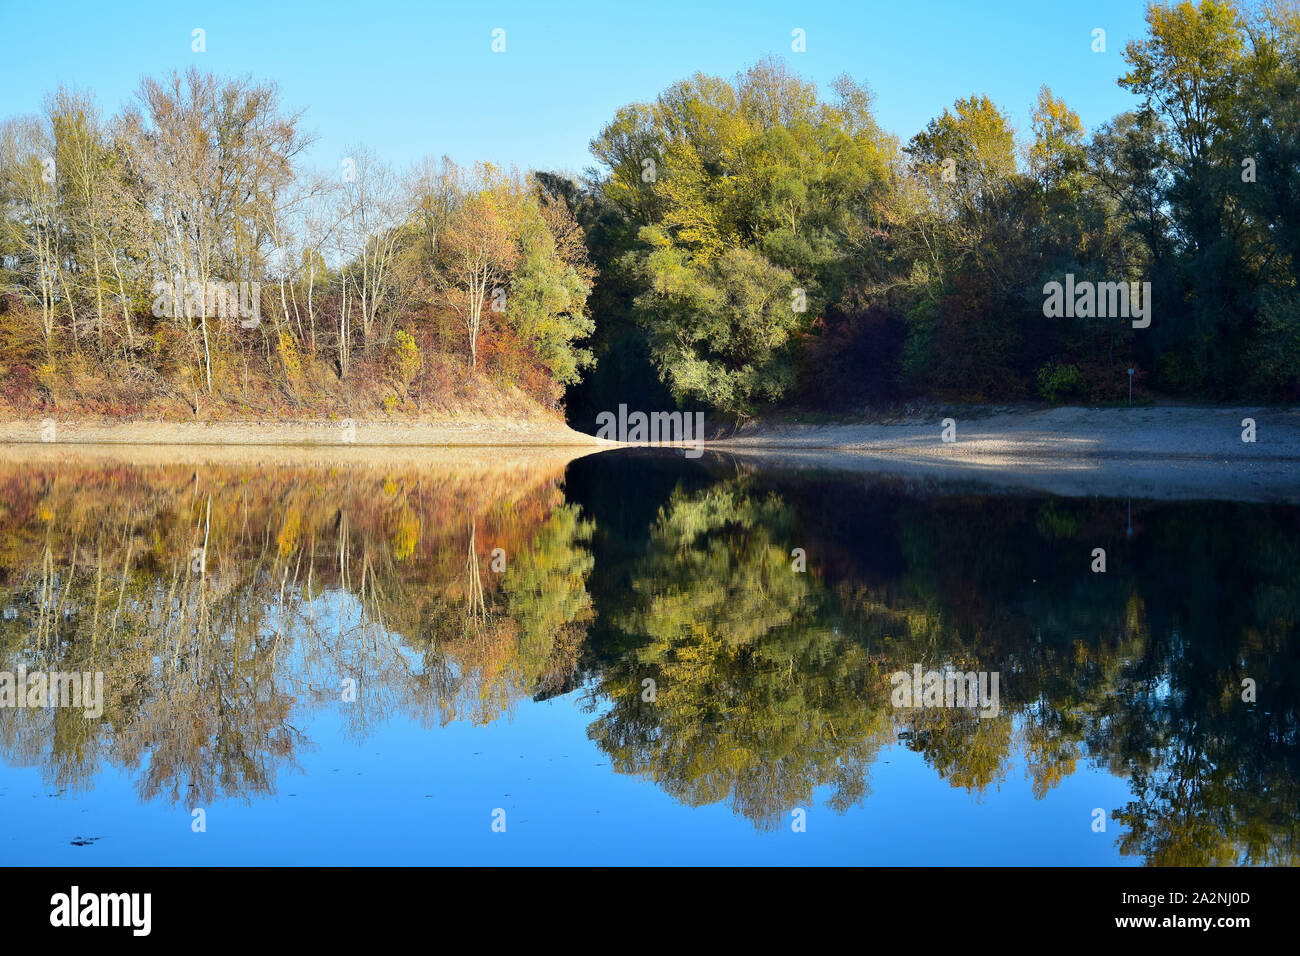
[(228, 604)]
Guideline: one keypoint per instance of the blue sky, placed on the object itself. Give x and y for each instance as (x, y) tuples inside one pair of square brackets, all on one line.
[(416, 78)]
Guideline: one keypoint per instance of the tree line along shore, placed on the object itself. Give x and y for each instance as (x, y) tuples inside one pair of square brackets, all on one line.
[(741, 245)]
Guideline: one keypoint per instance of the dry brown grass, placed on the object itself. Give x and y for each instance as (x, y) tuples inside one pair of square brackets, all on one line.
[(256, 380)]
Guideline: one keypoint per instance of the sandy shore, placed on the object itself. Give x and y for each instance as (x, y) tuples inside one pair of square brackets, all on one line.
[(1151, 478), (1167, 452), (1058, 433), (1004, 438), (1151, 452), (341, 434), (451, 458)]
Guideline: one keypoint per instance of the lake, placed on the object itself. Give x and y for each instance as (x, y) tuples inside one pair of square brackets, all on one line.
[(635, 657)]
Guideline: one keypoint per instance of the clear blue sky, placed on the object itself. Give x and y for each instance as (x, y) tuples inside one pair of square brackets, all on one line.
[(416, 78)]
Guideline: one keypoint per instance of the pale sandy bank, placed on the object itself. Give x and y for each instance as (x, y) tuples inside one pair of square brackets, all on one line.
[(1058, 433), (342, 434), (1160, 452)]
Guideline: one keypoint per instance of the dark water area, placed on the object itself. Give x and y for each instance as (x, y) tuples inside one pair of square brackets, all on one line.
[(639, 658)]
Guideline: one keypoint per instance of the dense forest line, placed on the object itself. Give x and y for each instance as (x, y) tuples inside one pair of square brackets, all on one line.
[(740, 244), (759, 243)]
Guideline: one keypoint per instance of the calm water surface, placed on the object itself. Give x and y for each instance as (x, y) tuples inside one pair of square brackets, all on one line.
[(231, 608)]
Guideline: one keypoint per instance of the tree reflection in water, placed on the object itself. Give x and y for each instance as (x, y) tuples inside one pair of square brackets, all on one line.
[(228, 605)]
